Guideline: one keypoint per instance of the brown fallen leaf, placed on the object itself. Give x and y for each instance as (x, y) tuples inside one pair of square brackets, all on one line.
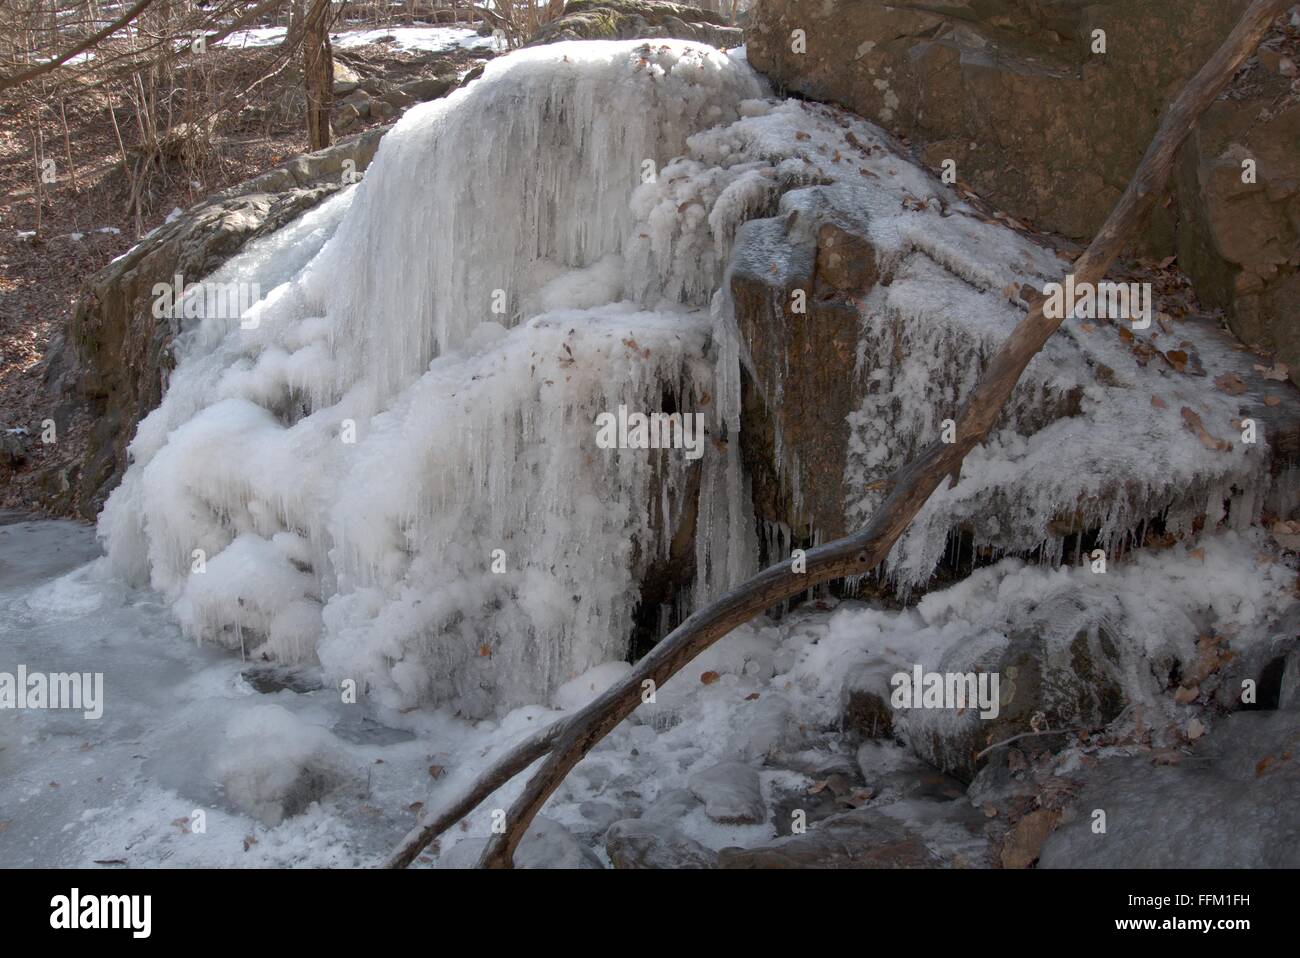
[(1158, 403), (1023, 843), (708, 678), (1230, 383), (1192, 422), (1279, 372), (1271, 401), (1177, 358), (249, 841), (1197, 554), (1187, 694)]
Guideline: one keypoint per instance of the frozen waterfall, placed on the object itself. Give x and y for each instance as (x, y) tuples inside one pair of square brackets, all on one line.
[(390, 463)]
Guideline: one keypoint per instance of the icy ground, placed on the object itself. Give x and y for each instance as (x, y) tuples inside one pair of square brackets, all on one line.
[(293, 776)]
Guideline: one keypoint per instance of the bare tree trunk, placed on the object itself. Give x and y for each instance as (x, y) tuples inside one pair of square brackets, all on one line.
[(318, 74), (569, 739)]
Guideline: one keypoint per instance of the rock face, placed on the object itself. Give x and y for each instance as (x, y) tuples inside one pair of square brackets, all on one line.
[(635, 20), (1047, 127), (114, 357)]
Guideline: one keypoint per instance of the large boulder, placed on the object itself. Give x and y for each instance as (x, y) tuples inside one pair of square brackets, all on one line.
[(1047, 127)]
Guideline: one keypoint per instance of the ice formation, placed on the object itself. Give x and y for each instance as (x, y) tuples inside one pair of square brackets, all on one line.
[(461, 316), (546, 244), (1090, 440)]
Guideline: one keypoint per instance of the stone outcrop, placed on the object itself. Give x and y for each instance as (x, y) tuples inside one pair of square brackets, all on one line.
[(381, 99), (636, 20), (1048, 128), (115, 355)]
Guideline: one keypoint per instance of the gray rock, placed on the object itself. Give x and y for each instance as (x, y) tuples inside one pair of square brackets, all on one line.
[(600, 814), (638, 843), (731, 793), (14, 450), (671, 805), (1231, 803), (427, 88), (548, 844), (345, 79)]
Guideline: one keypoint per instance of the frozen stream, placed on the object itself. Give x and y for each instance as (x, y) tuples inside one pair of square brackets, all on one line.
[(286, 773)]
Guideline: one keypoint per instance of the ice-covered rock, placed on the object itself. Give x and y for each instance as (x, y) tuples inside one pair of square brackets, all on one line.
[(1229, 804), (548, 844), (638, 843), (274, 764), (731, 793)]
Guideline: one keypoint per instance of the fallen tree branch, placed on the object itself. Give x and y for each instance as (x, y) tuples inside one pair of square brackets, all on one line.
[(569, 739)]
